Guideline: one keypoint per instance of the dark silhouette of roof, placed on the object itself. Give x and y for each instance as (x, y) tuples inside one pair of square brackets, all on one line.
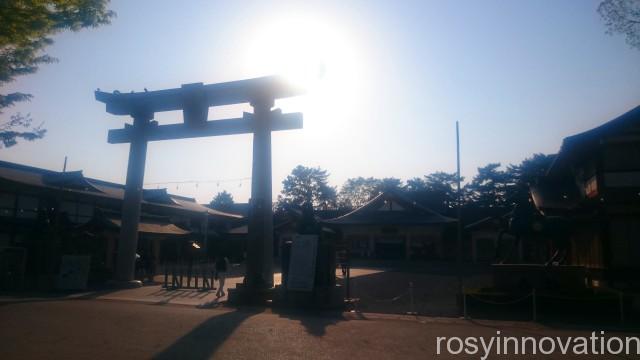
[(575, 146), (77, 183), (558, 191), (390, 208), (235, 208)]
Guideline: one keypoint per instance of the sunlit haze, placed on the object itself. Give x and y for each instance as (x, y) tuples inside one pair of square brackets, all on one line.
[(386, 83)]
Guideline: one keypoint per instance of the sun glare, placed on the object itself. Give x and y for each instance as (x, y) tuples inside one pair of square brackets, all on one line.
[(315, 55)]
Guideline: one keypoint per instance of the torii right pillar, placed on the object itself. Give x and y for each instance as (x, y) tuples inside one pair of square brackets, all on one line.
[(259, 275)]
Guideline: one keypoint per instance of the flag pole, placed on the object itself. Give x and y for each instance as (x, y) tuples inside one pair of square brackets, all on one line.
[(459, 210)]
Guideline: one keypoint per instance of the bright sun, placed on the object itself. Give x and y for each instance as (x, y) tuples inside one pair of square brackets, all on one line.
[(315, 55)]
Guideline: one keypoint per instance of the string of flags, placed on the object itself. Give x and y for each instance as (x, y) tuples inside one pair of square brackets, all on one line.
[(197, 182)]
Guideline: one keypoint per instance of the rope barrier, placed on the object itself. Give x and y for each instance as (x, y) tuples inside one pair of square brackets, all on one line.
[(500, 302), (393, 299), (535, 296), (585, 298)]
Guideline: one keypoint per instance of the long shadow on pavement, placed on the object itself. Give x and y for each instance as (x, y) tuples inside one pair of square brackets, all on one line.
[(315, 322), (204, 340), (28, 297)]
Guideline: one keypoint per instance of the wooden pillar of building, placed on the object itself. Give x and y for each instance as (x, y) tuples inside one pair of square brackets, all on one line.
[(474, 249), (260, 245), (128, 241), (407, 247)]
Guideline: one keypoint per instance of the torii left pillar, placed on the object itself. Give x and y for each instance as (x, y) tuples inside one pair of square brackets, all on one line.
[(259, 273), (128, 243)]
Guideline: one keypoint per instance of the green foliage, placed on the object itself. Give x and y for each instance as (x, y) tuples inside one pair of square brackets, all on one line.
[(9, 131), (525, 174), (389, 184), (26, 28), (489, 186), (493, 187), (307, 186), (437, 191), (623, 17), (415, 185), (222, 201), (357, 191)]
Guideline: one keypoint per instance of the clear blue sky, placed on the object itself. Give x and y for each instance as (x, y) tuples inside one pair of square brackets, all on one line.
[(518, 75)]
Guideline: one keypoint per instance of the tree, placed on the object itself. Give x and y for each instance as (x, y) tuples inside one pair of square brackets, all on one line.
[(389, 184), (26, 28), (356, 192), (307, 186), (622, 16), (443, 187), (489, 186), (223, 200), (415, 185), (437, 191), (524, 175)]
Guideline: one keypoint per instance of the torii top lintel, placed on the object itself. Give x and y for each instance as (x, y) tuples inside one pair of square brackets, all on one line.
[(266, 88)]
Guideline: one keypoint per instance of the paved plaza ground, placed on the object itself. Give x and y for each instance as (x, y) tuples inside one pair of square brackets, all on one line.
[(152, 322), (99, 329), (380, 289)]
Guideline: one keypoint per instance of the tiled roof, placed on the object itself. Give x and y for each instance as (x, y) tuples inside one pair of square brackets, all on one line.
[(573, 146), (146, 227), (76, 182), (410, 213)]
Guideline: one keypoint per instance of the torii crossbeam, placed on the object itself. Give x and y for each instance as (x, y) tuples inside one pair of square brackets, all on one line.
[(195, 100)]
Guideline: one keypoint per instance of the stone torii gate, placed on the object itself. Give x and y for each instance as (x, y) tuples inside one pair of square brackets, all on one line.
[(194, 100)]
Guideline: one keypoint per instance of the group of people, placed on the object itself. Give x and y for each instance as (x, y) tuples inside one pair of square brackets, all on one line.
[(145, 270)]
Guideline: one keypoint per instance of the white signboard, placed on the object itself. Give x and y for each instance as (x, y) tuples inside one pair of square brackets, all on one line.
[(302, 264), (74, 272)]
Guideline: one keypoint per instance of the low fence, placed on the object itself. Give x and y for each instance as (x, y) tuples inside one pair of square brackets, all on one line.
[(615, 300), (393, 298), (445, 301)]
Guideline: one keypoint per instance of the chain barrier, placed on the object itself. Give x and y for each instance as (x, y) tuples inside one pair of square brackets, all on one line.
[(535, 296)]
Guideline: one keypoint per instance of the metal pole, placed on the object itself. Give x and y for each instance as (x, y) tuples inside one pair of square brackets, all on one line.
[(348, 280), (621, 303), (535, 305), (459, 210), (195, 277), (464, 304), (413, 307), (166, 276), (206, 235)]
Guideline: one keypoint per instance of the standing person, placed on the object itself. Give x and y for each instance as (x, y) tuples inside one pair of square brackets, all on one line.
[(222, 264)]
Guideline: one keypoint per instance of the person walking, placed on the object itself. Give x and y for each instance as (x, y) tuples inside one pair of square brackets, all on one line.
[(222, 264)]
